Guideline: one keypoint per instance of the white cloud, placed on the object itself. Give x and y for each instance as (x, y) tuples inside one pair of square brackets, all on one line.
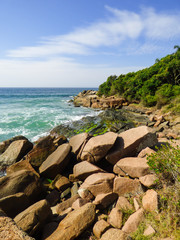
[(55, 72)]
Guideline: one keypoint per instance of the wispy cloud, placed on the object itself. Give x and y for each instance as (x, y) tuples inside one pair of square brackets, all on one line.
[(121, 26)]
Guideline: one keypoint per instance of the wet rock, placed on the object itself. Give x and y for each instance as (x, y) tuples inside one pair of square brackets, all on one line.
[(56, 162), (33, 218)]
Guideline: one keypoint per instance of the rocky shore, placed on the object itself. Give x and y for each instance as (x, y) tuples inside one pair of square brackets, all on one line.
[(77, 184)]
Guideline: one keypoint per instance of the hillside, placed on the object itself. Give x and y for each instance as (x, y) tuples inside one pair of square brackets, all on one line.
[(157, 85)]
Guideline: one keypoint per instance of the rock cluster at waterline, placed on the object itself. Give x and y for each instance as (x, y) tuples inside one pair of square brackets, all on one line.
[(60, 190)]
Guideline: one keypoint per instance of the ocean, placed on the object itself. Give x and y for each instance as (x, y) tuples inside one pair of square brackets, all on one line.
[(33, 112)]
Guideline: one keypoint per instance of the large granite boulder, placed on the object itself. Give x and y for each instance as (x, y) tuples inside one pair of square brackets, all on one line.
[(132, 166), (131, 142), (124, 186), (97, 147), (98, 183), (10, 231), (74, 223), (5, 144), (41, 151), (15, 152), (21, 181), (56, 162), (14, 204), (33, 218), (84, 169), (78, 141)]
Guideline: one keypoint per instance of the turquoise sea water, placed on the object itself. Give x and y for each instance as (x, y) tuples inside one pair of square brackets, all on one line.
[(33, 112)]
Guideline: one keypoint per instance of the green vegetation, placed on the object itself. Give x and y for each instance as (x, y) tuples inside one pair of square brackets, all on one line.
[(157, 85)]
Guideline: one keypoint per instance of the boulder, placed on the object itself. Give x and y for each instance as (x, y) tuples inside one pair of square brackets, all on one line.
[(105, 199), (5, 144), (61, 183), (66, 204), (114, 234), (10, 231), (74, 223), (79, 203), (56, 162), (123, 204), (41, 151), (145, 152), (130, 143), (14, 204), (100, 227), (115, 218), (149, 231), (84, 169), (21, 165), (77, 141), (148, 180), (150, 201), (98, 183), (15, 152), (21, 181), (126, 186), (85, 194), (132, 166), (133, 221), (97, 147), (33, 218), (136, 204)]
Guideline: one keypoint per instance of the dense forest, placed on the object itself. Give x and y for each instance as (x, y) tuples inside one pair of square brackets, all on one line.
[(157, 85)]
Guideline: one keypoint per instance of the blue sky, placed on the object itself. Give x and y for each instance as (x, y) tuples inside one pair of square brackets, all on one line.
[(79, 43)]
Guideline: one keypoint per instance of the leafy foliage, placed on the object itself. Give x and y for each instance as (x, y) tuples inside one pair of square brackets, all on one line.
[(158, 84)]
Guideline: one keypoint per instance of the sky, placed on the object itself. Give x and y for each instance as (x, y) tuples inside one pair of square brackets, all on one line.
[(79, 43)]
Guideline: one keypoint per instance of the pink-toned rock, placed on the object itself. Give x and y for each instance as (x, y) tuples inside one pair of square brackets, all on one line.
[(149, 231), (84, 169), (123, 204), (150, 201), (148, 180), (114, 234), (85, 194), (131, 142), (145, 152), (98, 183), (66, 204), (79, 203), (136, 204), (21, 165), (97, 147), (115, 218), (74, 223), (133, 221), (10, 231), (15, 152), (105, 199), (56, 162), (123, 186), (33, 218), (100, 227), (77, 141), (131, 166)]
